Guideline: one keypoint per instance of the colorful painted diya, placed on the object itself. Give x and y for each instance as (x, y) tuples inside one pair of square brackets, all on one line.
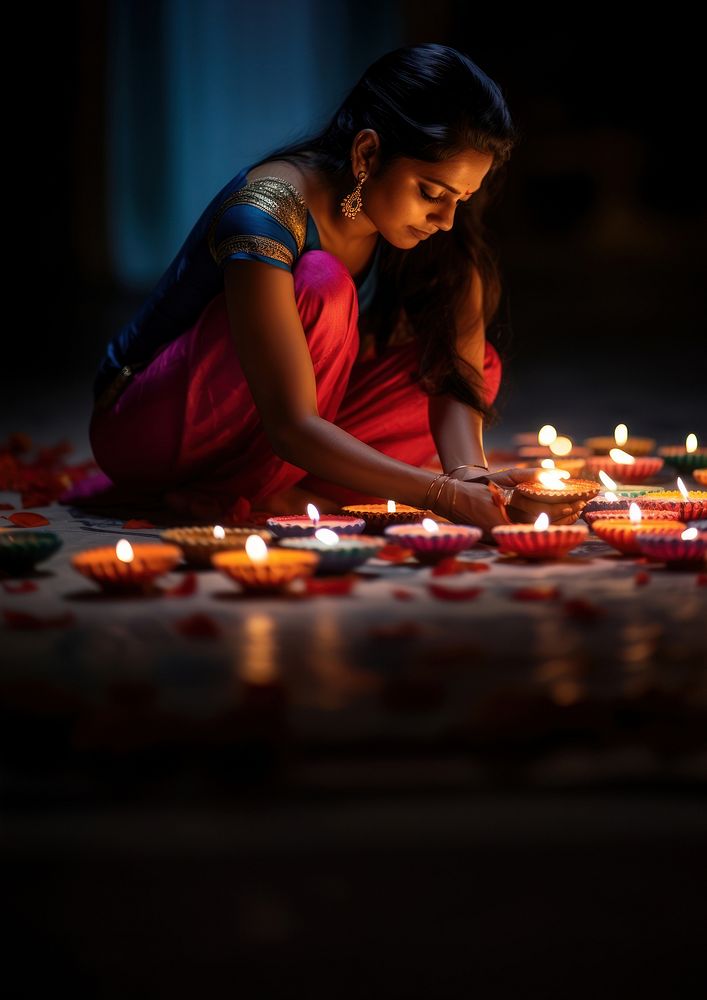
[(270, 574), (679, 550), (688, 508), (617, 514), (20, 551), (126, 568), (200, 542), (570, 489), (431, 542), (634, 472), (303, 526), (378, 516), (531, 542), (622, 534), (683, 460), (339, 557)]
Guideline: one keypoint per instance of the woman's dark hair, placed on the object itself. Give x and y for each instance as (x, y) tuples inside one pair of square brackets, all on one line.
[(427, 102)]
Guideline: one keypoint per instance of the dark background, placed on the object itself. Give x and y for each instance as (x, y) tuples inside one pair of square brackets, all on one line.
[(601, 227)]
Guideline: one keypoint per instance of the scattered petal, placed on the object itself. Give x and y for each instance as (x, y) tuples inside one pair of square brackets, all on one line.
[(199, 626), (401, 594), (19, 586), (24, 620), (452, 565), (642, 578), (539, 592), (579, 607), (454, 593), (393, 553), (27, 519), (185, 588), (332, 585), (139, 522)]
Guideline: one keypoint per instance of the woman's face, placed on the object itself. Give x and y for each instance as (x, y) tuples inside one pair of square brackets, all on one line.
[(414, 199)]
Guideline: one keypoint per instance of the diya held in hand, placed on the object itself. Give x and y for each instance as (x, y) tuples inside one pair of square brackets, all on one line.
[(260, 569), (127, 568)]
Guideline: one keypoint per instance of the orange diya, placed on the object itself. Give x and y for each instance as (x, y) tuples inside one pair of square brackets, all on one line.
[(540, 540), (127, 568), (689, 505), (379, 516), (622, 532), (260, 569), (700, 476), (624, 467)]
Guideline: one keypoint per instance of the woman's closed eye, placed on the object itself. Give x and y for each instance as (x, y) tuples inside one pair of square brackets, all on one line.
[(438, 198)]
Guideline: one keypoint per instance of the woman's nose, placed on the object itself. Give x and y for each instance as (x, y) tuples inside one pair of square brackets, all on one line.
[(444, 219)]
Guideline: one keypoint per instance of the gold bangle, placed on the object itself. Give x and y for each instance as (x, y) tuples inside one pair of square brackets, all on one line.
[(429, 488), (439, 492), (452, 511)]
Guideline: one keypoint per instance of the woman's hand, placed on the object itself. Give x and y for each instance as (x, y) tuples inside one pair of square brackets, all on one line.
[(525, 509), (475, 504)]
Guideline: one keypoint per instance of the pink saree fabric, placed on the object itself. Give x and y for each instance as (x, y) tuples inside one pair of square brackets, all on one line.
[(186, 428)]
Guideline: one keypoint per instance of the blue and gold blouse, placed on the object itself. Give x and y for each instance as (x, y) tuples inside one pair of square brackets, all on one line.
[(265, 219)]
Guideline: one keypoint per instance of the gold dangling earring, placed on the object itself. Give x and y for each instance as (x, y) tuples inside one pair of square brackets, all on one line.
[(351, 205)]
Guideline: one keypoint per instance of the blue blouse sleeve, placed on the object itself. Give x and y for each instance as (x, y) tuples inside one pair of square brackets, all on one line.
[(266, 220)]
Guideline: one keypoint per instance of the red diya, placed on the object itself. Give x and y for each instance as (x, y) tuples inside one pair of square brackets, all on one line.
[(378, 516), (689, 506), (540, 540), (303, 526), (126, 568), (621, 514), (622, 534), (567, 489), (640, 469), (685, 549), (431, 542)]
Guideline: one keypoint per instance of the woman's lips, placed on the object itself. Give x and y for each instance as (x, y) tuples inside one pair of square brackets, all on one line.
[(420, 233)]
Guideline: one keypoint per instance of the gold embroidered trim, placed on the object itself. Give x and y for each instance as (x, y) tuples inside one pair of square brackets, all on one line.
[(252, 244), (279, 198)]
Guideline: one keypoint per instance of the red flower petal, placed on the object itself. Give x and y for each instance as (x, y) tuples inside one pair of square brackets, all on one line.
[(452, 565), (537, 593), (641, 578), (24, 620), (27, 519), (199, 626), (333, 585), (7, 506), (139, 522), (185, 588), (19, 587), (580, 608), (454, 593), (394, 553), (401, 594)]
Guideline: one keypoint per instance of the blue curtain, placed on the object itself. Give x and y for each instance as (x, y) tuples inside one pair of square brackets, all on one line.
[(198, 88)]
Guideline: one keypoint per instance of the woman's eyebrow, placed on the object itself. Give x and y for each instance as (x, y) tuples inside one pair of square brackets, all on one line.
[(434, 180)]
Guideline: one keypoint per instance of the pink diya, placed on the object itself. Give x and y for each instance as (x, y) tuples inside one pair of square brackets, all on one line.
[(260, 569), (678, 549), (431, 542), (378, 516), (689, 505), (126, 568), (623, 467), (305, 525), (541, 540)]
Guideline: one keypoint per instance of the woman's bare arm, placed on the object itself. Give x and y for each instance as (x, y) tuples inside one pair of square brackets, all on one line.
[(274, 354)]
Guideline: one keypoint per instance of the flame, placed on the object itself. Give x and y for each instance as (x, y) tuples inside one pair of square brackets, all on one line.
[(634, 513), (312, 512), (219, 532), (124, 551), (607, 480), (548, 463), (542, 522), (391, 506), (327, 536), (429, 525), (681, 487), (547, 434), (691, 443), (688, 534), (561, 446), (621, 434), (552, 479), (621, 457), (256, 548)]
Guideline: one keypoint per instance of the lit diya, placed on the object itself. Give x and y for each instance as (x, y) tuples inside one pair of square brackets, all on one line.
[(549, 444), (127, 568), (633, 445), (555, 484), (260, 569), (199, 543), (686, 549), (687, 458), (622, 533), (700, 475), (305, 525), (624, 467), (430, 542), (379, 516), (612, 503), (689, 505), (540, 540), (20, 551), (336, 554)]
